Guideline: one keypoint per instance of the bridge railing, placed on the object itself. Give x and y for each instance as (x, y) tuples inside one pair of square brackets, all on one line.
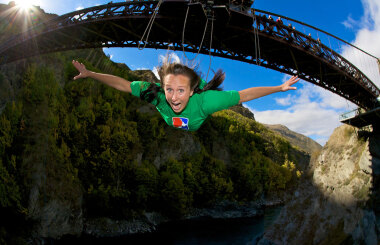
[(147, 7), (364, 61), (350, 114)]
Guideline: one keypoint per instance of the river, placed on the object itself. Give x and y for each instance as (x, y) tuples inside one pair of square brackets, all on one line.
[(200, 231)]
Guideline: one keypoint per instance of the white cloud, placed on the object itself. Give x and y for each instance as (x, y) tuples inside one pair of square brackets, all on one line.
[(284, 101), (367, 36), (350, 23), (309, 120), (79, 8), (314, 112), (155, 72), (172, 57), (325, 98)]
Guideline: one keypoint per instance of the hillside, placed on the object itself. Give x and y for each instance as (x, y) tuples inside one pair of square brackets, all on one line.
[(302, 142), (13, 20), (340, 199), (81, 150), (76, 153)]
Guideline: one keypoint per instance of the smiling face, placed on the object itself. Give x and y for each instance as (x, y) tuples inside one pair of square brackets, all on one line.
[(177, 91)]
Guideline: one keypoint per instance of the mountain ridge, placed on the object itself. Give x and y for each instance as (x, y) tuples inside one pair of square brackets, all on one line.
[(301, 141)]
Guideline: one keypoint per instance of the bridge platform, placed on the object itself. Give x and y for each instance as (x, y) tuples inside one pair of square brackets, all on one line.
[(360, 119)]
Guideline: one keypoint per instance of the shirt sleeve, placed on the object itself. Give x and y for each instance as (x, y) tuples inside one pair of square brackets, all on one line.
[(214, 100), (202, 84), (138, 86)]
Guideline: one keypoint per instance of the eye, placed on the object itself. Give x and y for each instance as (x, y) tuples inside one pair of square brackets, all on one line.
[(169, 89), (181, 90)]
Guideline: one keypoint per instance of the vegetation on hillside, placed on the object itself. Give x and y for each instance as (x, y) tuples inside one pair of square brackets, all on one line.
[(82, 133)]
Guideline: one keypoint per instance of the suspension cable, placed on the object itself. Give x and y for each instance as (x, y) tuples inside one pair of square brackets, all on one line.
[(183, 36), (257, 41), (149, 26), (209, 51)]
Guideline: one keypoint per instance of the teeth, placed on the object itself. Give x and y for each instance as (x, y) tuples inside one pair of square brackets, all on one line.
[(176, 106)]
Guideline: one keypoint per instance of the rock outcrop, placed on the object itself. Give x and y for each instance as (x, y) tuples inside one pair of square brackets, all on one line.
[(145, 75), (243, 111), (337, 203)]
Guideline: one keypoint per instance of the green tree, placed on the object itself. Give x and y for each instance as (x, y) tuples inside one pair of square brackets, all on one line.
[(174, 201)]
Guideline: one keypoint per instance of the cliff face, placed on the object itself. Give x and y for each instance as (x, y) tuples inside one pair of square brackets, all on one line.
[(338, 202)]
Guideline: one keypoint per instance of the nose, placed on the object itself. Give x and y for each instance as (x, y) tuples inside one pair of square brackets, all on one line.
[(174, 96)]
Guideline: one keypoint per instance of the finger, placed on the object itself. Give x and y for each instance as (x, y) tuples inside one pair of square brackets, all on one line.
[(76, 64), (294, 80), (289, 88), (79, 76)]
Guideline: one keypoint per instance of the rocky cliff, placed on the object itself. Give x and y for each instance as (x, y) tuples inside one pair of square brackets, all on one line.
[(338, 201)]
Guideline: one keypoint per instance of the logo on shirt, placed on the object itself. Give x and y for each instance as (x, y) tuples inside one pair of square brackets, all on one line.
[(181, 122)]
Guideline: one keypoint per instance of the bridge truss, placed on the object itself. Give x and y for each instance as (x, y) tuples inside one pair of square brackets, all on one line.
[(252, 36)]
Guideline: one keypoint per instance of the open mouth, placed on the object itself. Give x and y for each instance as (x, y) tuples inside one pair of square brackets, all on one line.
[(176, 106)]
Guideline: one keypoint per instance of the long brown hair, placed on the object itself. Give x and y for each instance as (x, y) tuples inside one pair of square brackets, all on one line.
[(175, 68)]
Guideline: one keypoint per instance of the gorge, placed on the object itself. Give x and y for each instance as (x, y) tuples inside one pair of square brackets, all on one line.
[(78, 158)]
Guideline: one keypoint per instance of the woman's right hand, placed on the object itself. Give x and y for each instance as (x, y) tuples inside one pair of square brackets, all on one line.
[(83, 72)]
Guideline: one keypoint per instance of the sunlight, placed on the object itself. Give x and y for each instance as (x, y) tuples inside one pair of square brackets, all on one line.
[(27, 4)]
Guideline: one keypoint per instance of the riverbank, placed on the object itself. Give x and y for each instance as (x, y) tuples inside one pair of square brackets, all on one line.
[(195, 230), (147, 223)]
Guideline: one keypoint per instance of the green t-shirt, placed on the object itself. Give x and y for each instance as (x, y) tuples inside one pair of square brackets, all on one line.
[(199, 107)]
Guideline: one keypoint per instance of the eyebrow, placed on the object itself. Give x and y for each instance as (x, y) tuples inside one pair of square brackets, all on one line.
[(168, 86)]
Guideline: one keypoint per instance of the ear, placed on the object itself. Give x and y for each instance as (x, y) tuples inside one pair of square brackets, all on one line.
[(191, 93)]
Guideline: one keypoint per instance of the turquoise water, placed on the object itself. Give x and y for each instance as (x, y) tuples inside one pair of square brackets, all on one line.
[(199, 231)]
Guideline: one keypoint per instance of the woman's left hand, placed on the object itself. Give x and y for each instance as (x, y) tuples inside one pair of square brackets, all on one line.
[(288, 84)]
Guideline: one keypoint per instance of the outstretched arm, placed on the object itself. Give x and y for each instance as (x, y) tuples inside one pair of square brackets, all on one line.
[(257, 92), (110, 80)]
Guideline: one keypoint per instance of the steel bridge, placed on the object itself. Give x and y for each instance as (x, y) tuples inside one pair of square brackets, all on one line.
[(206, 27)]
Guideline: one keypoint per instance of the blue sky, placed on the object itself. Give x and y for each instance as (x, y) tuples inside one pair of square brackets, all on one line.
[(309, 110)]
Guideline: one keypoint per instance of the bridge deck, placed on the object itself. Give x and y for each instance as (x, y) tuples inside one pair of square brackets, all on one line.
[(255, 39)]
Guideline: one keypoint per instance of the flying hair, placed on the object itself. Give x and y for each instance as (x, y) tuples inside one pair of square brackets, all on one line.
[(171, 64)]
